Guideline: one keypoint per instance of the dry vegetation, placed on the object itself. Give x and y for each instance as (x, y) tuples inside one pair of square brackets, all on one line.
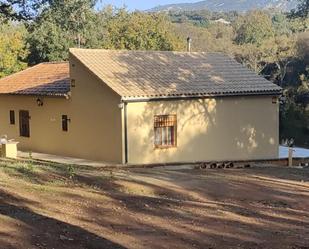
[(55, 206)]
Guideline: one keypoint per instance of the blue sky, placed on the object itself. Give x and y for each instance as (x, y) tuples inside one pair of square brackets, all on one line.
[(142, 5)]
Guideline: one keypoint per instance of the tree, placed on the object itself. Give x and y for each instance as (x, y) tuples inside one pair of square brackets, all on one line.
[(62, 25), (13, 52), (140, 31), (302, 10), (303, 89), (298, 25), (217, 37), (201, 37), (303, 46), (254, 27), (252, 56), (20, 9), (74, 23), (281, 24), (281, 51)]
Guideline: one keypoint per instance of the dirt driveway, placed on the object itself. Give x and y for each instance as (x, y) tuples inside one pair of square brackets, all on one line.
[(59, 207)]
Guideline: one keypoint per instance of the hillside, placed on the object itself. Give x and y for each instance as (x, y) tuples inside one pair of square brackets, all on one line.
[(229, 5)]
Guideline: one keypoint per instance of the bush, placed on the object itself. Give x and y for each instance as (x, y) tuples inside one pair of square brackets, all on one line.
[(71, 171), (26, 168)]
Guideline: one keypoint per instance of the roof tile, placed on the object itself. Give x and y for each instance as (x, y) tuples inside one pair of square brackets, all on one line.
[(43, 79), (153, 74)]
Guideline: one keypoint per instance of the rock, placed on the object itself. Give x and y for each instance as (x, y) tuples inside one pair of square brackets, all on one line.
[(220, 165), (213, 165), (62, 237)]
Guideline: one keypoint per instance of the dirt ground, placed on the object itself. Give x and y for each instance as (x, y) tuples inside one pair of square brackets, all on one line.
[(63, 207)]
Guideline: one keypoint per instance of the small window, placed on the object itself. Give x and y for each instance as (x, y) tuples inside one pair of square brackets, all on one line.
[(12, 117), (165, 131), (24, 124), (65, 121)]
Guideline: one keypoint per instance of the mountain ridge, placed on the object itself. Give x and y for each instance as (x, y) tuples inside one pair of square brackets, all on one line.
[(228, 5)]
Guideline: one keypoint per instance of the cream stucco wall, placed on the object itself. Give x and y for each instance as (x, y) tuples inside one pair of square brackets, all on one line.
[(230, 128), (95, 130)]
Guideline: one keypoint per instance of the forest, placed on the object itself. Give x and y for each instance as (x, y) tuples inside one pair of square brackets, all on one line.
[(273, 44)]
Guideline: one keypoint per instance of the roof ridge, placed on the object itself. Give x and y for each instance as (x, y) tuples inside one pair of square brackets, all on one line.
[(52, 62), (144, 51)]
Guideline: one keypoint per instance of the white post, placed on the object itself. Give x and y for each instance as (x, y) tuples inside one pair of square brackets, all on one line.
[(189, 40), (290, 157)]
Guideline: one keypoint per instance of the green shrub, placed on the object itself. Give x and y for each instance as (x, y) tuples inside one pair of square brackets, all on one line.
[(30, 155), (26, 168), (71, 171)]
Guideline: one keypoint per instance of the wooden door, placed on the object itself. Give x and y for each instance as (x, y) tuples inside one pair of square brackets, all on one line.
[(24, 124)]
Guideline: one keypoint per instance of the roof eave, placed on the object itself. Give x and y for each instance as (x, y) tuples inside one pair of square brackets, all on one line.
[(58, 95), (199, 96)]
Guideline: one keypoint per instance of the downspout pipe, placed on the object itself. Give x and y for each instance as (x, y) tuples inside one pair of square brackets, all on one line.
[(125, 113)]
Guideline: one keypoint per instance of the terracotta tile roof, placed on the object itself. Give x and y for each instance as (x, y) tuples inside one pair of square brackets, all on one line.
[(151, 74), (51, 79)]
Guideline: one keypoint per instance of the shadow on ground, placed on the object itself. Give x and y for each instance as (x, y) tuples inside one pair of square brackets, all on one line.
[(45, 232), (157, 208)]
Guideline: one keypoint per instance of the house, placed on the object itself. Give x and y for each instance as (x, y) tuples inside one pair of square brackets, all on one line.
[(223, 21), (142, 107)]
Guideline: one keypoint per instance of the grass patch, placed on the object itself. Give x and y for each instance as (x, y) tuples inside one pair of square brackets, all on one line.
[(26, 168), (57, 175)]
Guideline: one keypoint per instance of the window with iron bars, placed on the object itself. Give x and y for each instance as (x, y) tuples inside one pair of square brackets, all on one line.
[(165, 131)]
